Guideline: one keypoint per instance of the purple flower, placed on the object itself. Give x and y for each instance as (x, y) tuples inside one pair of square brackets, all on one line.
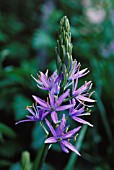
[(82, 94), (61, 136), (37, 115), (47, 83), (77, 112), (53, 104)]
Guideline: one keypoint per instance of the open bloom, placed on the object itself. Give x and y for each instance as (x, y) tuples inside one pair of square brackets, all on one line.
[(47, 83), (53, 104), (37, 114), (60, 136), (82, 93), (77, 112)]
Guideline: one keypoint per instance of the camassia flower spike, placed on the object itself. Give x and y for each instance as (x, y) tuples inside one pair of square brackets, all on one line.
[(53, 104), (62, 86), (37, 115), (61, 136)]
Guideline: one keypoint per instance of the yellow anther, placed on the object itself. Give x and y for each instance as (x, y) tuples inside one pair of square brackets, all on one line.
[(67, 129), (38, 76), (68, 140), (57, 125), (28, 107), (75, 138)]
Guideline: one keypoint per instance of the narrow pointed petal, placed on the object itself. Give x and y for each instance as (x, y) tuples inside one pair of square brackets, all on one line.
[(54, 117), (51, 140), (44, 80), (22, 121), (71, 133), (63, 122), (62, 97), (58, 79), (70, 146), (43, 88), (45, 114), (64, 148), (65, 107), (51, 97), (77, 112), (40, 101), (81, 121), (50, 127), (80, 97), (31, 111)]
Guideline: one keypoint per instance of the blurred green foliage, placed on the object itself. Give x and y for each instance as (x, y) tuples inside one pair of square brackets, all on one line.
[(28, 32)]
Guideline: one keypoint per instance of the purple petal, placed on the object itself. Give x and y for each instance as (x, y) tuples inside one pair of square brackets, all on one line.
[(80, 97), (81, 121), (60, 108), (82, 73), (40, 101), (77, 112), (31, 111), (64, 148), (26, 120), (44, 108), (70, 146), (71, 133), (51, 140), (63, 122), (45, 114), (50, 127), (54, 117), (44, 80), (43, 88), (51, 97), (62, 97), (58, 78)]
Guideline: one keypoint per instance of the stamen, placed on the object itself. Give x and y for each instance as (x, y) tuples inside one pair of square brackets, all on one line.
[(39, 77), (47, 100), (67, 129), (75, 137), (57, 125), (29, 107)]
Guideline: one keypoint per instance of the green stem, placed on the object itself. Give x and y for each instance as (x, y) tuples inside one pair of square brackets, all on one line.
[(43, 157), (40, 158)]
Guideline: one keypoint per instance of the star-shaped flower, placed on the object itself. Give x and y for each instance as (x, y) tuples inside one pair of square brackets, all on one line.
[(62, 137), (53, 104), (36, 115), (82, 93), (77, 112)]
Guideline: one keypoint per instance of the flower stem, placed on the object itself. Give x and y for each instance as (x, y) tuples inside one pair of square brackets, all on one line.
[(43, 156), (40, 158)]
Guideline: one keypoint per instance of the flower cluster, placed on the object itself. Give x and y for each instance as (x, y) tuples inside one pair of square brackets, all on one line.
[(63, 94)]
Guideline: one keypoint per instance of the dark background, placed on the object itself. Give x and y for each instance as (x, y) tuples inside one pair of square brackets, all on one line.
[(28, 33)]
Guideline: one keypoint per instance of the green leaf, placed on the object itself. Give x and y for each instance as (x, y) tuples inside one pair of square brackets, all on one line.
[(20, 104), (6, 130)]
